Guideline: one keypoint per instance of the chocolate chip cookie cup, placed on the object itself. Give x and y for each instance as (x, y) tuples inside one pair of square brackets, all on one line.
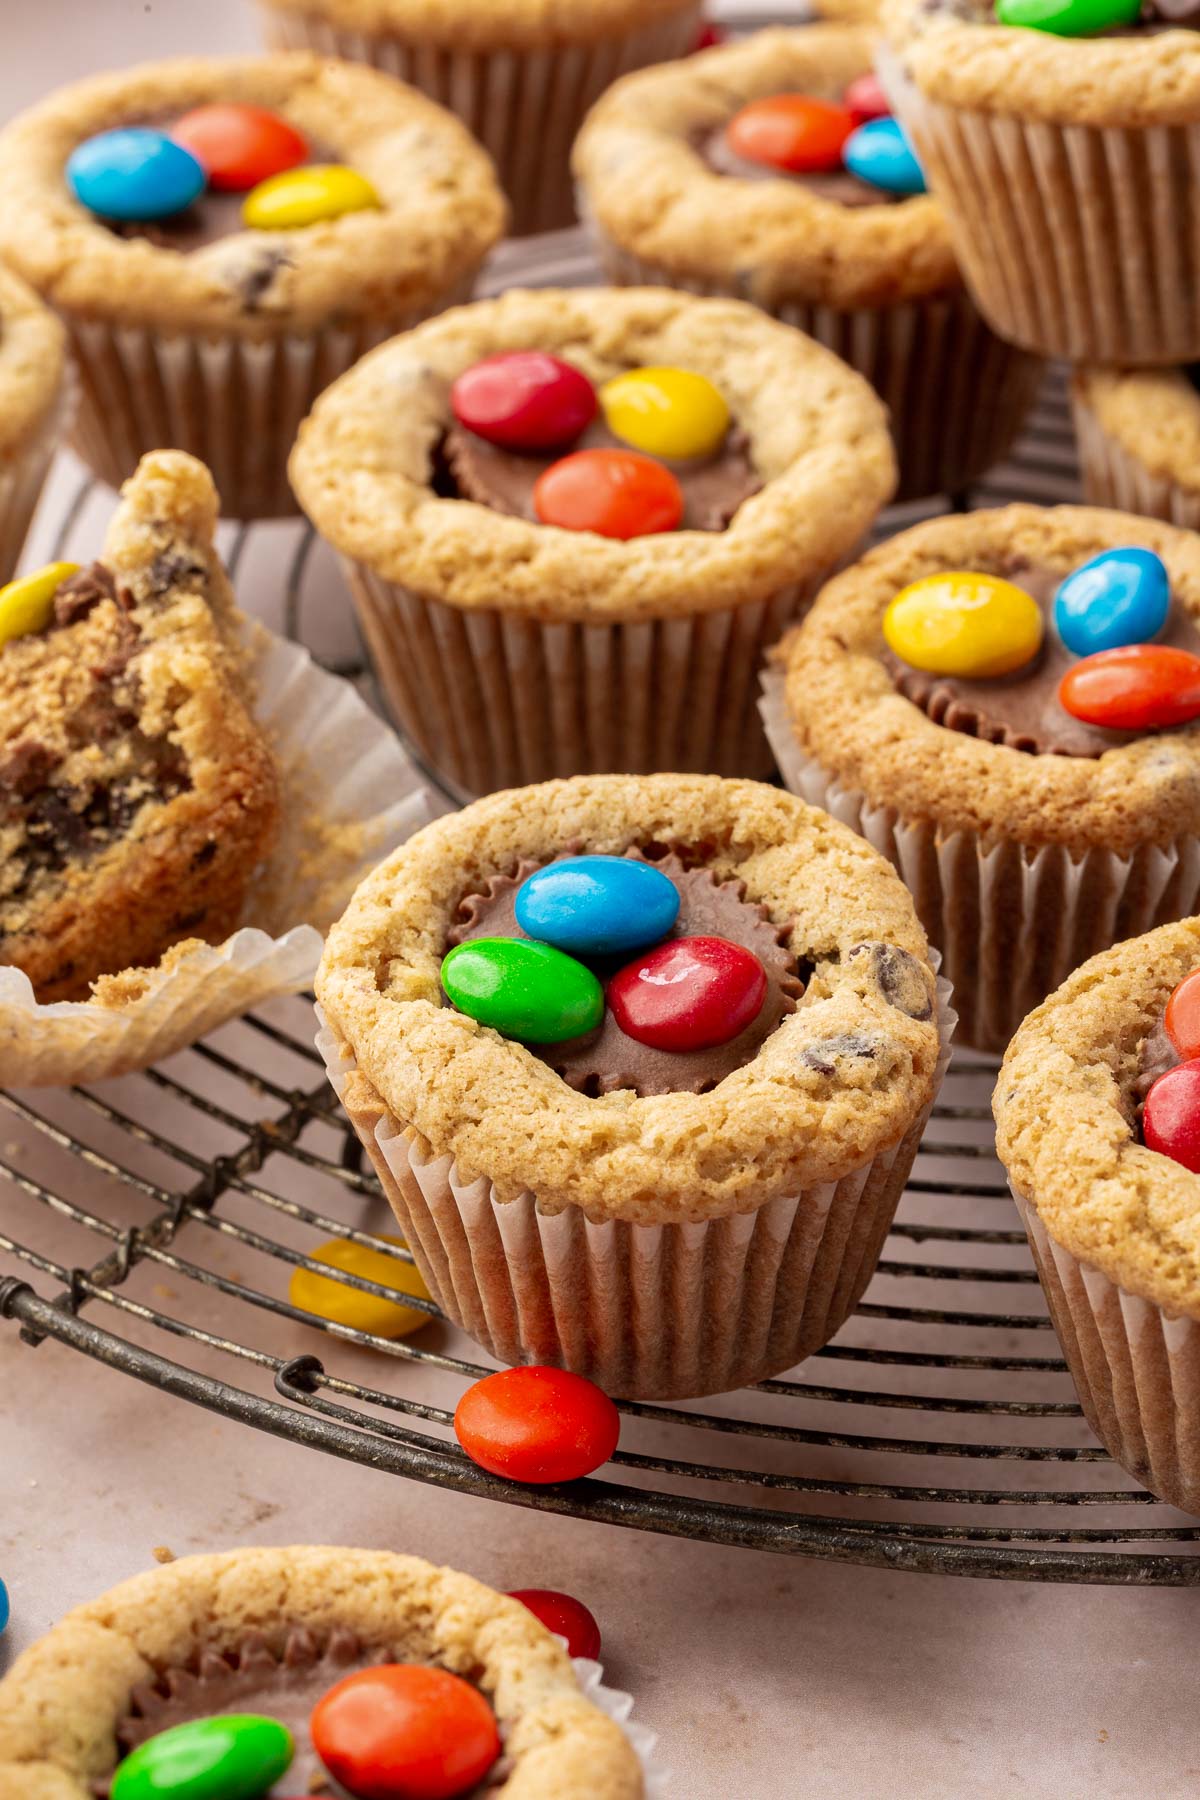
[(669, 1221), (1114, 1225), (511, 650), (867, 272), (1138, 432), (1028, 838), (35, 394), (196, 331)]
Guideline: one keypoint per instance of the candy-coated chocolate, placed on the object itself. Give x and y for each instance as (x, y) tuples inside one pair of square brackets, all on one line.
[(666, 412), (597, 905), (239, 145), (615, 493), (1119, 597), (565, 1617), (4, 1609), (1068, 18), (1144, 687), (27, 604), (1171, 1115), (237, 1757), (879, 153), (343, 1305), (690, 994), (865, 99), (796, 132), (526, 990), (135, 174), (524, 400), (1182, 1017), (710, 36), (964, 623), (537, 1424), (307, 196), (405, 1731)]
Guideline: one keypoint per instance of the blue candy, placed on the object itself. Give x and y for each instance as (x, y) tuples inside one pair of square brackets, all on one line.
[(1120, 597), (3, 1606), (134, 174), (597, 905), (879, 152)]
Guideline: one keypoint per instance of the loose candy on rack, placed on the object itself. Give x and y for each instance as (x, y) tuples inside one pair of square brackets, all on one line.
[(666, 412), (308, 196), (794, 132), (597, 905), (1143, 687), (964, 623), (879, 153), (528, 991), (238, 145), (537, 1424), (615, 493), (689, 994), (405, 1731), (865, 99), (27, 604), (237, 1757), (1171, 1115), (134, 174), (329, 1299), (1181, 1020), (524, 400), (1069, 18), (565, 1617), (1119, 597)]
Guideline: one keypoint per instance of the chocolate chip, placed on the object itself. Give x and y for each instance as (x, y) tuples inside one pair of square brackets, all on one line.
[(254, 281), (171, 570), (900, 978), (847, 1046), (26, 768), (78, 595)]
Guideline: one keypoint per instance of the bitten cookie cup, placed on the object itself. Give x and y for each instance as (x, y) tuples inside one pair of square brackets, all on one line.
[(251, 1623), (1114, 1226), (1021, 865), (670, 1244), (221, 349), (521, 74), (512, 651), (1138, 432), (877, 284), (35, 395), (1065, 168)]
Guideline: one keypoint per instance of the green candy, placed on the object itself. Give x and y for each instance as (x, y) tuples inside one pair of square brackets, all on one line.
[(523, 988), (1068, 18), (235, 1758)]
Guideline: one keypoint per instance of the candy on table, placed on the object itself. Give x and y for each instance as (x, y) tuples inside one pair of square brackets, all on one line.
[(796, 132), (307, 196), (689, 994), (237, 1757), (537, 1424), (134, 174), (238, 145), (404, 1731), (566, 1617), (1069, 18), (1119, 597), (342, 1305), (879, 153), (1171, 1115), (524, 400), (1182, 1018), (529, 991), (27, 604), (710, 36), (666, 412), (615, 493), (597, 905), (1143, 687), (865, 99), (964, 623)]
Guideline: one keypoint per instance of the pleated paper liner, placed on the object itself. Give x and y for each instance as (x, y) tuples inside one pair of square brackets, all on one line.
[(350, 796), (23, 477), (618, 1705), (1011, 923), (1112, 476)]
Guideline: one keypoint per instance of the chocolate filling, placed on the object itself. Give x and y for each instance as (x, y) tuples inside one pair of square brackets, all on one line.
[(838, 185)]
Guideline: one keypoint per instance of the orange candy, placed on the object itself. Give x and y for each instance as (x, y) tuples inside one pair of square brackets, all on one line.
[(617, 493), (791, 131), (1140, 687), (239, 146), (1182, 1019), (402, 1731)]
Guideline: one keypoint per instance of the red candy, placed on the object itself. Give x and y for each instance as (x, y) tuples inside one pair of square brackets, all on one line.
[(567, 1618), (1171, 1116), (689, 994), (1140, 687), (402, 1731), (618, 493), (1182, 1019), (710, 36), (865, 99), (791, 131), (524, 400), (537, 1424), (239, 146)]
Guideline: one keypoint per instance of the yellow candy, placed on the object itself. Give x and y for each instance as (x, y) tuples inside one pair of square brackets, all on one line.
[(27, 604), (962, 623), (666, 412), (343, 1305), (306, 196)]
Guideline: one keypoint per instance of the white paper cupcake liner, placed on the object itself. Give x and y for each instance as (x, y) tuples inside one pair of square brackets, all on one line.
[(524, 107), (650, 1312), (1011, 923), (1136, 1369), (618, 1706), (1113, 477), (21, 481), (350, 796)]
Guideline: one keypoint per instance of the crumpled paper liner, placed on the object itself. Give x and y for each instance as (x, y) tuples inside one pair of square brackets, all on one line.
[(337, 759), (618, 1705), (1136, 1369), (1011, 923), (1112, 477), (649, 1312), (22, 481)]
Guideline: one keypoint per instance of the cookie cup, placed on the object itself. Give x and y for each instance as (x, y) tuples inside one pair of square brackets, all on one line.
[(666, 1246), (1114, 1226), (35, 398), (1065, 168), (1021, 866), (878, 285), (1138, 433), (222, 349), (511, 651)]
